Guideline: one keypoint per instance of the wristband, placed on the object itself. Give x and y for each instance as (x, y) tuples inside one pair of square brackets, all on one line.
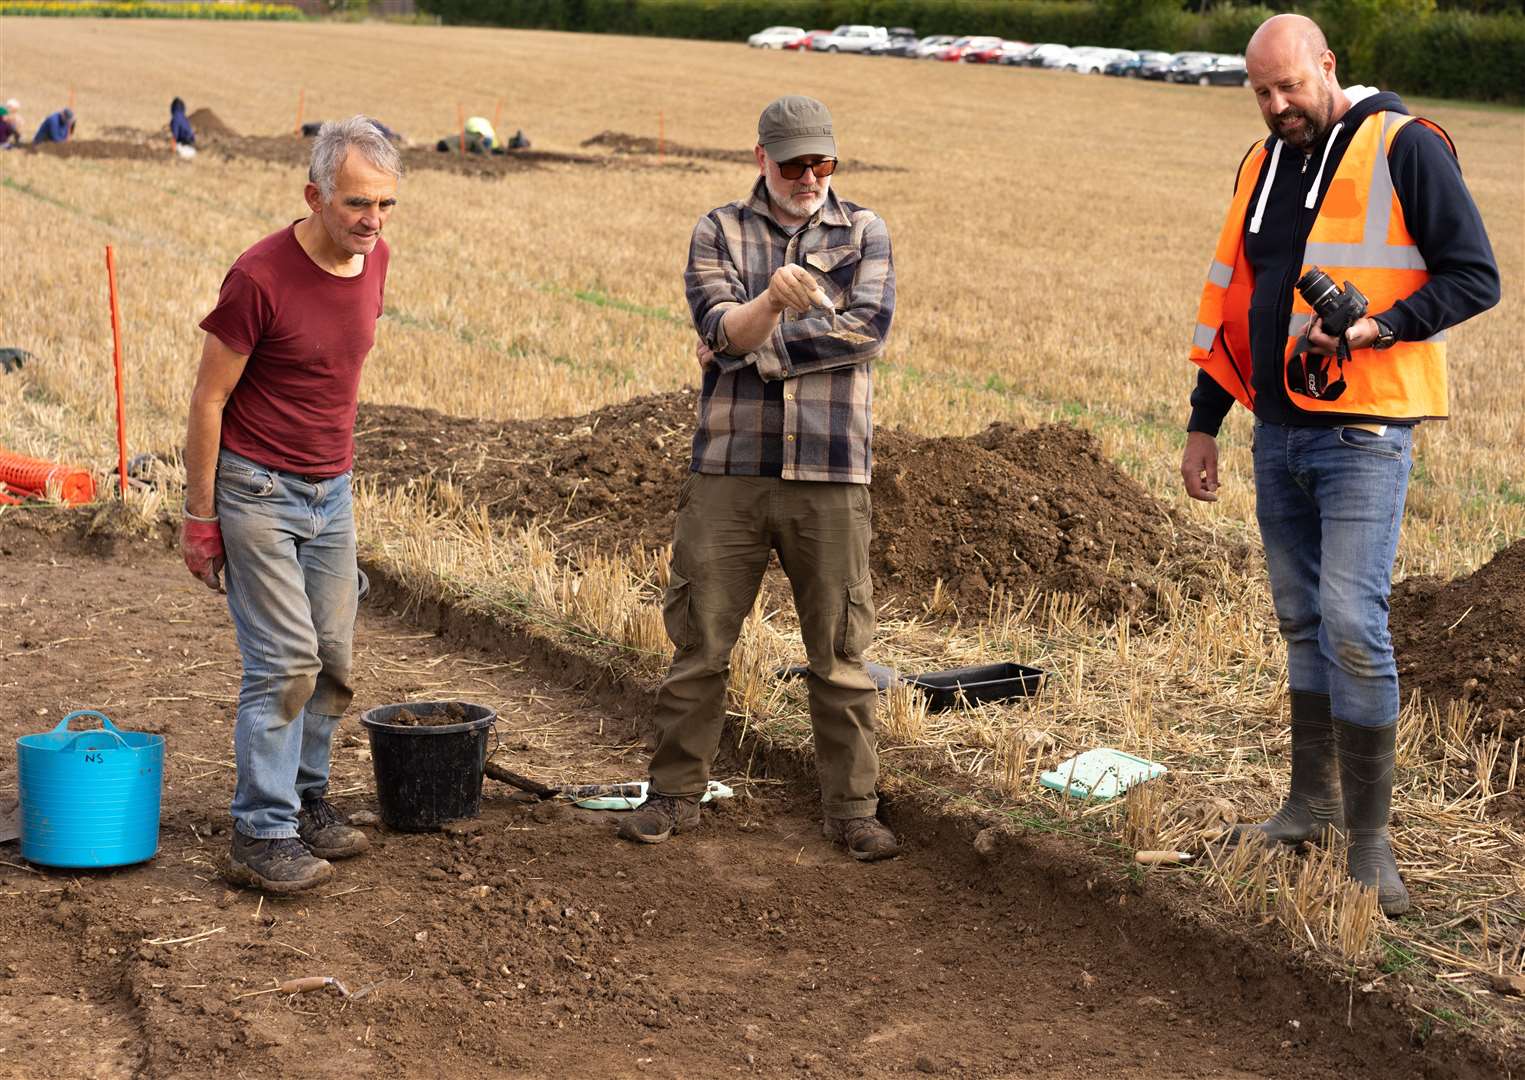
[(196, 517)]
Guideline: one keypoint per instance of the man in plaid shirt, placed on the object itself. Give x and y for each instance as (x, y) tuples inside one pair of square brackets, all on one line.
[(792, 292)]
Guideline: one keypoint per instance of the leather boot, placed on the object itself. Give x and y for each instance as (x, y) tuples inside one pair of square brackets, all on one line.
[(1313, 802), (660, 817), (1366, 781)]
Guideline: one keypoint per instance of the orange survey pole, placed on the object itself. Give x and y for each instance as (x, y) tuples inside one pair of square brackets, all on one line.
[(301, 104), (460, 121), (71, 98), (116, 359), (497, 116)]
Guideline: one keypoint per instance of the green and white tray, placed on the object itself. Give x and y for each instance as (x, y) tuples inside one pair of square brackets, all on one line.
[(1102, 773)]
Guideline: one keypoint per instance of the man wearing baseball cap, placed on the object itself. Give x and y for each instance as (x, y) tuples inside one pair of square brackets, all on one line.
[(792, 291)]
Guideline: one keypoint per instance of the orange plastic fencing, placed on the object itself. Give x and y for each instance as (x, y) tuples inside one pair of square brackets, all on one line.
[(30, 476)]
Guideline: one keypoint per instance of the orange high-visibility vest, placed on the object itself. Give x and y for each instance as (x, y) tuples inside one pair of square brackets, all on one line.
[(1359, 235)]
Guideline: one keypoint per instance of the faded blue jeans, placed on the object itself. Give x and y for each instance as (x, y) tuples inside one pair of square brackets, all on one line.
[(292, 590), (1329, 501)]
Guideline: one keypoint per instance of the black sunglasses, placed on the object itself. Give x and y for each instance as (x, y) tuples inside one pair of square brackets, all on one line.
[(793, 170)]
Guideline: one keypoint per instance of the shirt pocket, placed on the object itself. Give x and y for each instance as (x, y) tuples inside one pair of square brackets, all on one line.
[(835, 268)]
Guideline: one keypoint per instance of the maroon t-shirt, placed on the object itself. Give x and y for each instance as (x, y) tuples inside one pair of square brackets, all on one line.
[(306, 333)]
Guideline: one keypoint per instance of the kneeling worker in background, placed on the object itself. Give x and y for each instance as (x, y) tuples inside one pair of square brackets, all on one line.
[(1351, 184), (268, 452), (792, 291)]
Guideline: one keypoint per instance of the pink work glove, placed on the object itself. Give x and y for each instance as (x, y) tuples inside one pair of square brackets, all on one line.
[(201, 546)]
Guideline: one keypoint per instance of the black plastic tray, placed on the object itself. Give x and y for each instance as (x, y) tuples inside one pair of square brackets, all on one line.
[(981, 683)]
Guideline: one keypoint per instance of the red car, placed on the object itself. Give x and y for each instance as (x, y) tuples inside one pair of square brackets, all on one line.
[(964, 45), (989, 55), (803, 44)]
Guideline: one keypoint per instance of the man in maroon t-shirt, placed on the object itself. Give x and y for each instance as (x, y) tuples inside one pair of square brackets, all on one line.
[(268, 451)]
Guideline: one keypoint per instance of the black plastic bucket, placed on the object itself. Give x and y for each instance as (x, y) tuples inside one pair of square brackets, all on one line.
[(428, 775)]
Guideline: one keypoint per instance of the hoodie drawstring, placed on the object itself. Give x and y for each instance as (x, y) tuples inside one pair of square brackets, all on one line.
[(1265, 190), (1319, 176)]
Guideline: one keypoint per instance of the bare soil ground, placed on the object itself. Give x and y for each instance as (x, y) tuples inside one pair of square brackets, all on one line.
[(532, 943), (1464, 640), (215, 137), (1010, 508)]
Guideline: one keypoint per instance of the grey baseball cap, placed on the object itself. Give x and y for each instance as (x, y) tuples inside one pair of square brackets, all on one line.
[(795, 126)]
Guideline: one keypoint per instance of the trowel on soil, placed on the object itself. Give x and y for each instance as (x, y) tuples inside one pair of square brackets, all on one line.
[(623, 796)]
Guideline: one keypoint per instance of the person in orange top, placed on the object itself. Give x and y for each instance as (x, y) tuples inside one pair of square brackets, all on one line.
[(1351, 184)]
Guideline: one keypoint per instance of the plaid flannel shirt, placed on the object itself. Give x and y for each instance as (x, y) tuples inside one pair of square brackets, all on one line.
[(821, 423)]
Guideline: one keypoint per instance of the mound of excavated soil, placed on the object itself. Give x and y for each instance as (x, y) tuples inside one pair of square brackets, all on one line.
[(127, 144), (1008, 507), (1465, 639), (206, 123)]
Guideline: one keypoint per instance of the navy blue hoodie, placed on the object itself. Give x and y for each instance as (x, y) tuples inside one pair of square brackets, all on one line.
[(1439, 212), (56, 128), (179, 126)]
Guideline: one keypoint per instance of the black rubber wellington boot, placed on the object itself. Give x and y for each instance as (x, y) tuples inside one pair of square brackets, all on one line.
[(1366, 780), (1313, 803)]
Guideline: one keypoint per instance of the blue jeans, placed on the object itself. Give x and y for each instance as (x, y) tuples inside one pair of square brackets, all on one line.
[(292, 590), (1329, 502)]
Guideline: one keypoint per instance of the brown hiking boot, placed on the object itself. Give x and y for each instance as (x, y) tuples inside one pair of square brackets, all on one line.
[(660, 817), (865, 838), (328, 833), (282, 866)]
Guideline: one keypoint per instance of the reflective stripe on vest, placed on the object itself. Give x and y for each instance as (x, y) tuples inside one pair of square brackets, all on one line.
[(1225, 300), (1359, 235)]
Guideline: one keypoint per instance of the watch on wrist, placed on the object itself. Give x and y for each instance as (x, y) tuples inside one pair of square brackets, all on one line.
[(1386, 336)]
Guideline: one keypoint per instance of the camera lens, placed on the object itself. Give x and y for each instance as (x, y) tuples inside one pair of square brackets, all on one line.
[(1316, 287)]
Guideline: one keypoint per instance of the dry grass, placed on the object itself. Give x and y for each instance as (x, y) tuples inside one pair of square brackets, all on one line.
[(1050, 234), (1041, 274)]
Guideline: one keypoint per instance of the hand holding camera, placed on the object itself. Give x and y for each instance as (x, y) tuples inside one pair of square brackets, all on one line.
[(1317, 366)]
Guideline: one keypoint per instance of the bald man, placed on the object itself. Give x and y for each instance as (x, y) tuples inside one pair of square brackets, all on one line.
[(1350, 183)]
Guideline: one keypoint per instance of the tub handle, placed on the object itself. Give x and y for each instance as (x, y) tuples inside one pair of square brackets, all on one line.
[(106, 725)]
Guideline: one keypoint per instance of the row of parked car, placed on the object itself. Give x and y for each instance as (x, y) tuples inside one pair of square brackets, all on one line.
[(1202, 68)]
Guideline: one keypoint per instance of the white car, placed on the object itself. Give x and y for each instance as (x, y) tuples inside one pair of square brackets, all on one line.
[(855, 38), (1092, 60), (1053, 57), (775, 37)]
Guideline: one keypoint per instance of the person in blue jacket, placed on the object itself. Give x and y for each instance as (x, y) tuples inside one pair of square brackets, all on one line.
[(57, 128), (179, 126)]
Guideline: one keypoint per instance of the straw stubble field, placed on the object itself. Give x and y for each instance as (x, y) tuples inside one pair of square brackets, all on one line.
[(1050, 237)]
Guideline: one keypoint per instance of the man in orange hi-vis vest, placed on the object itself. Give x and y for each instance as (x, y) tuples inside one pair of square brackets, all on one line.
[(1351, 184)]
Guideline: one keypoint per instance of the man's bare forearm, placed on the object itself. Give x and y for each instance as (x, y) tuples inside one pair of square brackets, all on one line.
[(203, 437)]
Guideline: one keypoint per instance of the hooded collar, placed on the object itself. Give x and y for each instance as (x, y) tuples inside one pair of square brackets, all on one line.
[(830, 213), (1364, 100)]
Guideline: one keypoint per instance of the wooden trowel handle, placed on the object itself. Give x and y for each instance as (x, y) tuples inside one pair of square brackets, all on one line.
[(523, 783)]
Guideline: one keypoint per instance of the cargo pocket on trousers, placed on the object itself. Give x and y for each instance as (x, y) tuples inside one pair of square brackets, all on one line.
[(675, 604), (858, 620)]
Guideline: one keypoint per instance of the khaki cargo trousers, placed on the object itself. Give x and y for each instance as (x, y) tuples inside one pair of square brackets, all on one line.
[(726, 528)]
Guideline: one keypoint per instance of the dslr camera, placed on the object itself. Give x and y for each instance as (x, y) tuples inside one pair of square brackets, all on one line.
[(1337, 310)]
